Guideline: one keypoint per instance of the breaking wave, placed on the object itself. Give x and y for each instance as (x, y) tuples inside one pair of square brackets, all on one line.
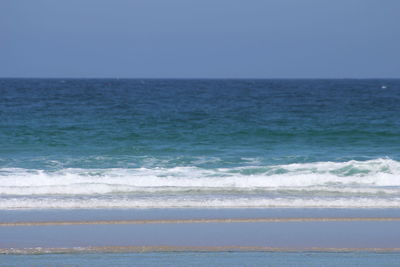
[(372, 183)]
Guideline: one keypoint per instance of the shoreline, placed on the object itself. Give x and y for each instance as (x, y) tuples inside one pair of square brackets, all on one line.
[(66, 215), (154, 249), (185, 221)]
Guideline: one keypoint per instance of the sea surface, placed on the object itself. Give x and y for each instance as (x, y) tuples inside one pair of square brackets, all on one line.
[(130, 143)]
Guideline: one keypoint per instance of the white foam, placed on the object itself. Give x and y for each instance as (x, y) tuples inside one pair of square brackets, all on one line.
[(101, 203), (372, 183), (373, 173)]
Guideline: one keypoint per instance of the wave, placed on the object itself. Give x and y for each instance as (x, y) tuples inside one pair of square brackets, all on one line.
[(372, 183), (378, 173)]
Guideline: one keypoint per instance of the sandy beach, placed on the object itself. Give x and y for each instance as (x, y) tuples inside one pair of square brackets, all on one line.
[(27, 232)]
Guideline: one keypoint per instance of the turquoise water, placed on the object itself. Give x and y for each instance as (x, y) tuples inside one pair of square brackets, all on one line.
[(109, 143), (205, 259)]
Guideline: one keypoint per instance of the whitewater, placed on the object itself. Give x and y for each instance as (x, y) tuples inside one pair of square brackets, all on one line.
[(352, 184)]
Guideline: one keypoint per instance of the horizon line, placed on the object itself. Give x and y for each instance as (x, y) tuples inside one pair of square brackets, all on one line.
[(205, 78)]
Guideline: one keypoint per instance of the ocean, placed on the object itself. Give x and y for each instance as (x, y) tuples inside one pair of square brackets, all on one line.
[(153, 143)]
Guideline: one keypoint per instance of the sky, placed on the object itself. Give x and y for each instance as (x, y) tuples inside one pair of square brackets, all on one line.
[(200, 39)]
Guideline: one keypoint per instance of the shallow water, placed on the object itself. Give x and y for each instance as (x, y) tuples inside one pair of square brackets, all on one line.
[(205, 259)]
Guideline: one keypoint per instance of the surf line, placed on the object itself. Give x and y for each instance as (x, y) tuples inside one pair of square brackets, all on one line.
[(143, 249), (178, 221)]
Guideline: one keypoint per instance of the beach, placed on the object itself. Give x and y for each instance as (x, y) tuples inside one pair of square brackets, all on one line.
[(244, 169), (199, 133), (200, 230), (212, 237)]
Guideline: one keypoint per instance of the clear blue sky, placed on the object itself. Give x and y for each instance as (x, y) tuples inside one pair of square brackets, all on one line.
[(200, 39)]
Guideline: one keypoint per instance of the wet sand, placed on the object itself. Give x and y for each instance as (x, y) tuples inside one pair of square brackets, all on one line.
[(55, 215), (181, 221), (199, 230), (146, 249)]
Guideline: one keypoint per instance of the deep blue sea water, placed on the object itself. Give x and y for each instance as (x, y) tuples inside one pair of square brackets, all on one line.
[(115, 143), (280, 259)]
